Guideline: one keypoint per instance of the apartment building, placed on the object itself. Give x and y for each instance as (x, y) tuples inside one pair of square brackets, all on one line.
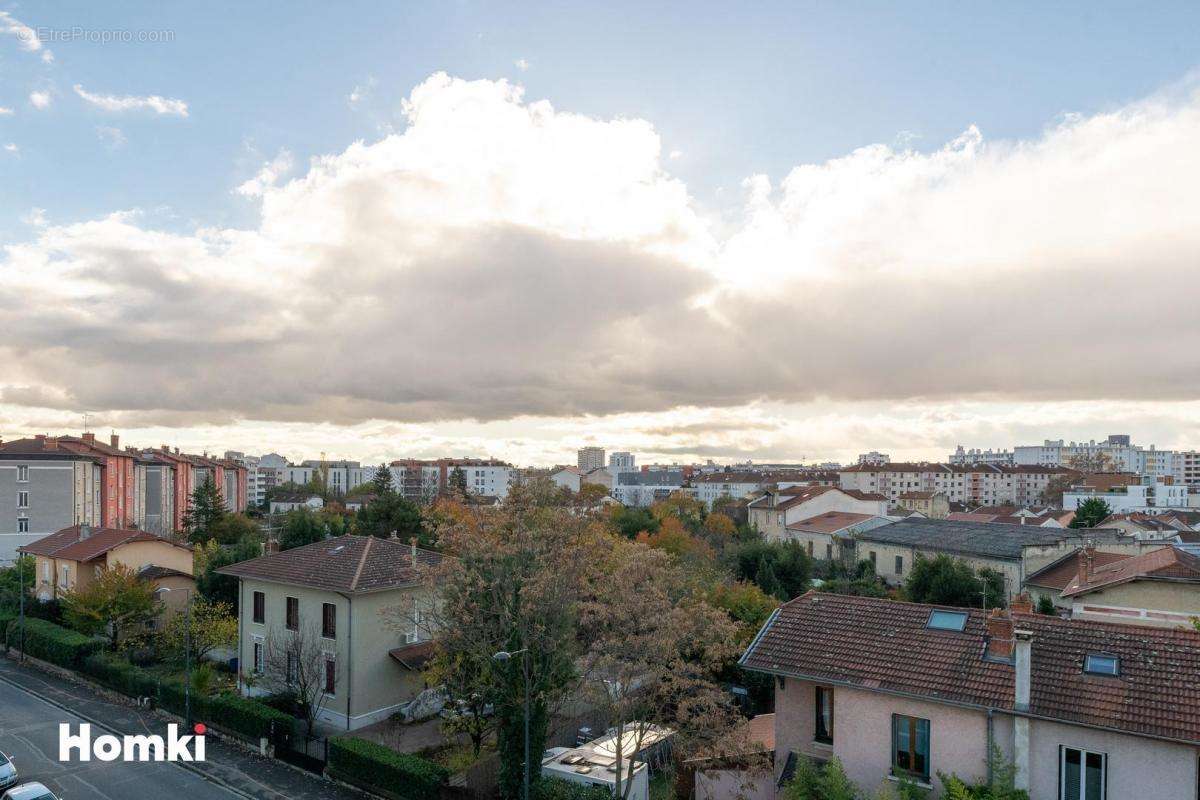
[(45, 487), (737, 484), (778, 509), (979, 456), (642, 489), (421, 481), (1116, 454), (1143, 494), (590, 458), (622, 461), (874, 458), (1082, 709), (970, 484)]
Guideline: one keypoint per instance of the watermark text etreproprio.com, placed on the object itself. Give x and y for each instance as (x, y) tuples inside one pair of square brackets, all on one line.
[(78, 33)]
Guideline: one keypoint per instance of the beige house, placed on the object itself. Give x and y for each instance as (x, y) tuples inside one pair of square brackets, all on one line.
[(776, 509), (72, 558), (358, 605), (1081, 709), (1161, 587), (934, 505), (822, 536)]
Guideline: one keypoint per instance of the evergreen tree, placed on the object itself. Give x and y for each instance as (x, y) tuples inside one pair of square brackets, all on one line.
[(205, 509), (382, 480), (390, 513), (1091, 512), (458, 482), (301, 527)]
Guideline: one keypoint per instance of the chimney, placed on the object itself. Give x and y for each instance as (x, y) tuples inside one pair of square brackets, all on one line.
[(84, 532), (90, 438), (394, 537), (1023, 646), (51, 443), (1021, 604), (1087, 563), (999, 637), (41, 437), (115, 441), (412, 543), (272, 546)]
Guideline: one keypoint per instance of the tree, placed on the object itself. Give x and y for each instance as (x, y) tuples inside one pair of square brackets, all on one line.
[(746, 604), (390, 513), (590, 494), (300, 527), (1046, 606), (1092, 462), (943, 580), (1090, 513), (655, 650), (213, 626), (296, 663), (12, 578), (683, 507), (786, 562), (457, 482), (231, 528), (381, 482), (629, 522), (467, 679), (114, 602), (1052, 495), (205, 509), (672, 537), (515, 585), (210, 557), (719, 527)]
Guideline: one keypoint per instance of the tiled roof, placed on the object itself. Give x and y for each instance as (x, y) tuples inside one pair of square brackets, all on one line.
[(859, 495), (71, 543), (348, 563), (1059, 573), (413, 656), (884, 645), (986, 539), (829, 522), (1165, 563), (969, 516), (917, 495), (41, 447)]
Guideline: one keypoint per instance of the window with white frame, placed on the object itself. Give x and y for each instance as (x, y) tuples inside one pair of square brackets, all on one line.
[(22, 473), (258, 657), (22, 499), (23, 525), (1082, 774)]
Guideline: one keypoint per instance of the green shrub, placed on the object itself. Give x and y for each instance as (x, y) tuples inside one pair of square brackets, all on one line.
[(119, 675), (243, 715), (6, 617), (559, 789), (400, 774), (53, 643)]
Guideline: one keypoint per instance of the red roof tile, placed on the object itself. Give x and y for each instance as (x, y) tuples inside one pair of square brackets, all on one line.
[(829, 522), (1165, 563), (1059, 574), (72, 544), (884, 645)]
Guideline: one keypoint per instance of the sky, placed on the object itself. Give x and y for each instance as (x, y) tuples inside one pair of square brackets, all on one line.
[(767, 231)]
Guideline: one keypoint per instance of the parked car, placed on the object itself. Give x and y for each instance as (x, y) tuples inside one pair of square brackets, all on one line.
[(8, 772), (29, 791)]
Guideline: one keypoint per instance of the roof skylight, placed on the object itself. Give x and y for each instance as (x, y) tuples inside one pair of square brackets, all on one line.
[(940, 620), (1100, 664)]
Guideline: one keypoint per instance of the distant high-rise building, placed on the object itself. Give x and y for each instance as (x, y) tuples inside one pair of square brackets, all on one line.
[(621, 462), (979, 456), (591, 458), (874, 458)]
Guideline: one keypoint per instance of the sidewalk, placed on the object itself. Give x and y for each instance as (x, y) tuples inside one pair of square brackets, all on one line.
[(232, 767)]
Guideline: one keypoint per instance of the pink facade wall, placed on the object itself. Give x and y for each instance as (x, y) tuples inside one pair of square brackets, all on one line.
[(1137, 767)]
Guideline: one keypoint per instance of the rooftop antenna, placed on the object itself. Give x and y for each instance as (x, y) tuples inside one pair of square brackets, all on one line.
[(87, 422)]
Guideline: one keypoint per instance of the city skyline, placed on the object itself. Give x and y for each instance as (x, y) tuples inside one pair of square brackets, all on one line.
[(474, 247)]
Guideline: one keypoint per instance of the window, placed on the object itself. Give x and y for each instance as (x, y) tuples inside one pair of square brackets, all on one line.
[(22, 473), (22, 499), (292, 668), (828, 552), (899, 565), (330, 675), (258, 658), (871, 556), (940, 620), (810, 549), (23, 527), (46, 571), (1098, 664), (1082, 775), (329, 620), (910, 747), (292, 616), (824, 705), (66, 574), (260, 607)]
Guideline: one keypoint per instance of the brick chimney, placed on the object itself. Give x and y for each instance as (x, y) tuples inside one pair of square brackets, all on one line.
[(41, 437), (272, 546), (51, 442), (1023, 645), (999, 638), (1087, 564), (90, 438), (1021, 604), (115, 441)]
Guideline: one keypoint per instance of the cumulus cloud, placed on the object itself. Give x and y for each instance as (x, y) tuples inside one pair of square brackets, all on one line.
[(266, 177), (26, 36), (119, 103), (40, 99), (502, 259), (5, 111)]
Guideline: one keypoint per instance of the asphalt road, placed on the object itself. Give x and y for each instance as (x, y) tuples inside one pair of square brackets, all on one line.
[(29, 735)]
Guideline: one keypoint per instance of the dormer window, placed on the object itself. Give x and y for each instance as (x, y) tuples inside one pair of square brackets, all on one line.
[(940, 620), (1100, 664)]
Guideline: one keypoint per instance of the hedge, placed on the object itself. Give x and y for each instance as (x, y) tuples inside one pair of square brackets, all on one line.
[(559, 789), (400, 774), (244, 715), (54, 643), (119, 675), (6, 617)]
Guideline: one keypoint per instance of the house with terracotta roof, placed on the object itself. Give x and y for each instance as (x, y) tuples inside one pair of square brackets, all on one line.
[(46, 486), (362, 602), (1082, 709), (823, 535), (777, 508), (72, 558), (1159, 587), (934, 505)]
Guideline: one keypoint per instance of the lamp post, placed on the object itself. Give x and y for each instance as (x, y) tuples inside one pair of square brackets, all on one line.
[(502, 656), (187, 653)]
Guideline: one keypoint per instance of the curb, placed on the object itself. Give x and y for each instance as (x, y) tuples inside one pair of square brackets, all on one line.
[(104, 726)]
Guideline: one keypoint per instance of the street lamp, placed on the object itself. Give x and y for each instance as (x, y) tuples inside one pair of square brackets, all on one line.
[(503, 656), (187, 653)]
